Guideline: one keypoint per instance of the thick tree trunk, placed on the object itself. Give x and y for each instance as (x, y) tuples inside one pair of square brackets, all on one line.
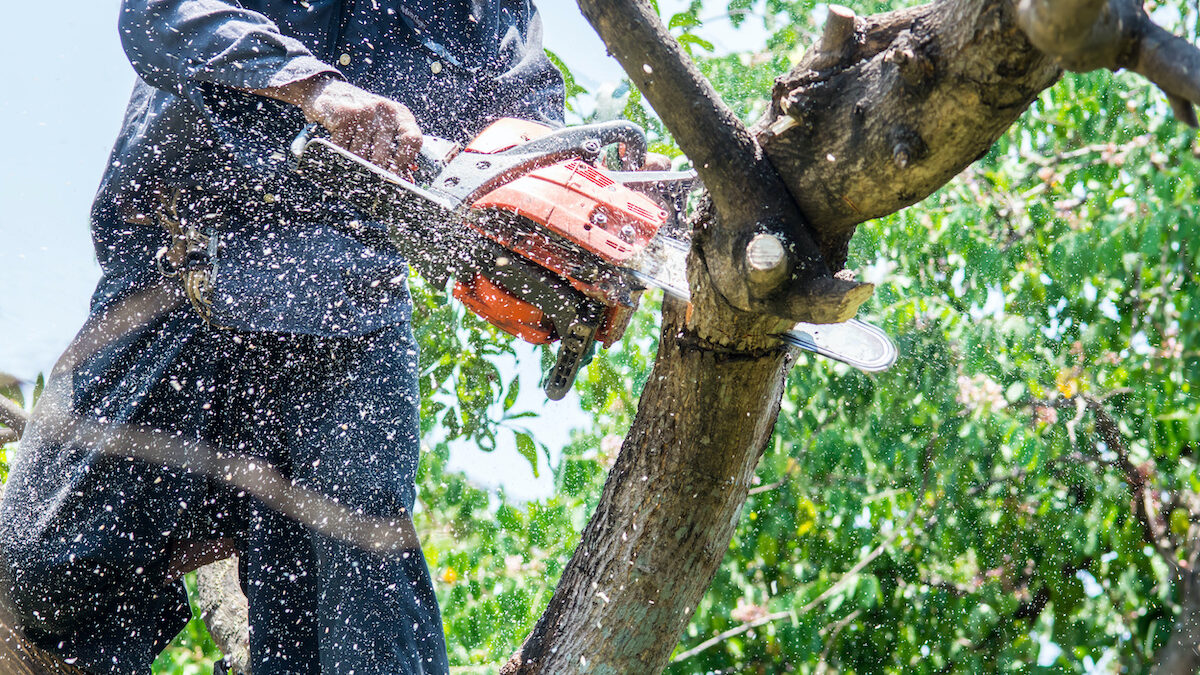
[(667, 513)]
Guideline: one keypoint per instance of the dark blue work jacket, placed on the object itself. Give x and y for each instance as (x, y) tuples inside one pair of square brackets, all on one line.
[(283, 266)]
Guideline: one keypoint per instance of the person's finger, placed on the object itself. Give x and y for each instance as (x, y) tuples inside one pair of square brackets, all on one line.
[(383, 150), (408, 144), (342, 135), (361, 145)]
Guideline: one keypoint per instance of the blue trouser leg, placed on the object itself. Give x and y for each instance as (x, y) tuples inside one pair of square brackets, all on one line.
[(86, 537), (344, 424), (377, 610), (280, 581)]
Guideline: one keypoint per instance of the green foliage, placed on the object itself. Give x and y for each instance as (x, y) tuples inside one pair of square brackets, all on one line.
[(572, 89), (192, 652)]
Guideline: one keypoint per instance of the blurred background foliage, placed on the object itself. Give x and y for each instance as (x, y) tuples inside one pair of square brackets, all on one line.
[(984, 505)]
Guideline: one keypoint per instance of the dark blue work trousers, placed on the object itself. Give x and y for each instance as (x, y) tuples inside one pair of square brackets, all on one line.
[(87, 530)]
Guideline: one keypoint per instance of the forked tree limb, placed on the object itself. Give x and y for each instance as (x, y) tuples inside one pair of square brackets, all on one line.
[(915, 96), (748, 197), (673, 498)]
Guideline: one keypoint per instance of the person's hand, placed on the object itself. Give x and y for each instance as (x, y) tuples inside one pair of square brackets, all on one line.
[(375, 128)]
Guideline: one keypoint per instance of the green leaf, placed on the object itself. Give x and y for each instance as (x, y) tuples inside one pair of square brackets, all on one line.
[(528, 450), (688, 40), (514, 388), (684, 20), (570, 84)]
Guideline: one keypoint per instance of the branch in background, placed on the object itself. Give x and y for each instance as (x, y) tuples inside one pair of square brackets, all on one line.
[(14, 417), (1154, 531), (793, 468), (831, 634), (760, 254), (1084, 35), (1021, 473)]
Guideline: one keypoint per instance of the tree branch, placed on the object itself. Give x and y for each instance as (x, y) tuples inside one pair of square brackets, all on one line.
[(1086, 35), (831, 638), (1135, 480), (749, 198), (914, 97)]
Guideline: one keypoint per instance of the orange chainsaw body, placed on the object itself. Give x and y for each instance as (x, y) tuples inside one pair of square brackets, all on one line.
[(574, 218)]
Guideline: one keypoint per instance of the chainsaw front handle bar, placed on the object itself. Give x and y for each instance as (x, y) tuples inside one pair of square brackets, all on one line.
[(440, 166)]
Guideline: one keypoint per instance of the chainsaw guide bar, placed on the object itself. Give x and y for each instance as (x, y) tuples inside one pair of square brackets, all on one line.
[(539, 240)]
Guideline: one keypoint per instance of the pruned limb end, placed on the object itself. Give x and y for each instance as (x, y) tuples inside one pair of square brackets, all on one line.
[(836, 36)]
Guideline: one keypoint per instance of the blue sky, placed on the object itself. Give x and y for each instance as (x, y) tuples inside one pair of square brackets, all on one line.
[(65, 85)]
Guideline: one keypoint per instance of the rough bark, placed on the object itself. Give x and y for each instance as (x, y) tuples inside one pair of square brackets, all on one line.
[(225, 611), (668, 509), (915, 96), (746, 192)]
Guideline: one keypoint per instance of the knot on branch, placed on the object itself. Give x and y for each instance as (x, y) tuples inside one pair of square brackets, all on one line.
[(911, 61), (907, 146)]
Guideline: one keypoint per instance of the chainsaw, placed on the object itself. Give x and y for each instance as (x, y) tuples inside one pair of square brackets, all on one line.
[(540, 238)]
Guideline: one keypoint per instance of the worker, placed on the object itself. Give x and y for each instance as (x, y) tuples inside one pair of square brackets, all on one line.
[(235, 316)]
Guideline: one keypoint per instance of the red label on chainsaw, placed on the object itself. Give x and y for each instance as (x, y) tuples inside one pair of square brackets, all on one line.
[(581, 204)]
